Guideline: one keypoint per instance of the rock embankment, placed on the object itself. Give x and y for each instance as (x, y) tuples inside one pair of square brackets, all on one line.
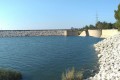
[(20, 33), (109, 59), (51, 32)]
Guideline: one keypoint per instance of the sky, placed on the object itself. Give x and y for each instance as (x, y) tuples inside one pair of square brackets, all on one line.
[(54, 14)]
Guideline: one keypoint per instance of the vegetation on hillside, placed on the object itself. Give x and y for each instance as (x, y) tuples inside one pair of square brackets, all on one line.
[(117, 17), (10, 75), (72, 75), (105, 25), (99, 25)]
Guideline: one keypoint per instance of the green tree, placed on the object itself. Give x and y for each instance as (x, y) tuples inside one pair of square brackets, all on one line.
[(86, 27), (99, 25), (104, 25), (91, 26), (117, 17)]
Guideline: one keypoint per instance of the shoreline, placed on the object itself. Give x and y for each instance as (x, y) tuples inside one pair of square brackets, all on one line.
[(108, 59)]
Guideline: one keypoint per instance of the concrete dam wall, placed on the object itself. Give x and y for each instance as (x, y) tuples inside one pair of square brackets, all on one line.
[(109, 32), (100, 33), (94, 33), (17, 33)]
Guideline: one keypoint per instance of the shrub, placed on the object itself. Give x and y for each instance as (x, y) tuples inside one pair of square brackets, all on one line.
[(79, 75), (10, 75), (72, 75)]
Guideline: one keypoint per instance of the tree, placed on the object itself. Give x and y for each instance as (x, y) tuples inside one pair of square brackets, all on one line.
[(117, 17), (104, 25), (91, 26), (99, 25), (86, 27)]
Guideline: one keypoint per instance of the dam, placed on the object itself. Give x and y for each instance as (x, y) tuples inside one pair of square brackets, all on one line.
[(104, 33), (20, 33)]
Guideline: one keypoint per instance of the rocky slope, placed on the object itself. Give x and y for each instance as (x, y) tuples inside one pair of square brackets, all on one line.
[(20, 33), (109, 59)]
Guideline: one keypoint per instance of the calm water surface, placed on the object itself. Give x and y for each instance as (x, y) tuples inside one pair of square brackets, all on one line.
[(46, 58)]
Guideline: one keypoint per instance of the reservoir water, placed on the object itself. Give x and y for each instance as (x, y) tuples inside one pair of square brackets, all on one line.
[(47, 57)]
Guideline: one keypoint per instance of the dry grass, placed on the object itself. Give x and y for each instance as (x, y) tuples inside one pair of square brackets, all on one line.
[(72, 75)]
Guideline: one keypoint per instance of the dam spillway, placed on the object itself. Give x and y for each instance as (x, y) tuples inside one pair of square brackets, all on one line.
[(104, 33)]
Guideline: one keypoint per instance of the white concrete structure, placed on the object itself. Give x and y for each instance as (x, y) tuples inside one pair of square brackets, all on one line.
[(83, 33), (100, 33), (95, 33), (109, 32)]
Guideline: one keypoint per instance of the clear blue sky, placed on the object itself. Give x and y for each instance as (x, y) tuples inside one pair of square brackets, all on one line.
[(54, 14)]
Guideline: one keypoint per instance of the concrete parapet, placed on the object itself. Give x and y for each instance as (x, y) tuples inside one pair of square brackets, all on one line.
[(109, 32), (95, 33), (100, 33)]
